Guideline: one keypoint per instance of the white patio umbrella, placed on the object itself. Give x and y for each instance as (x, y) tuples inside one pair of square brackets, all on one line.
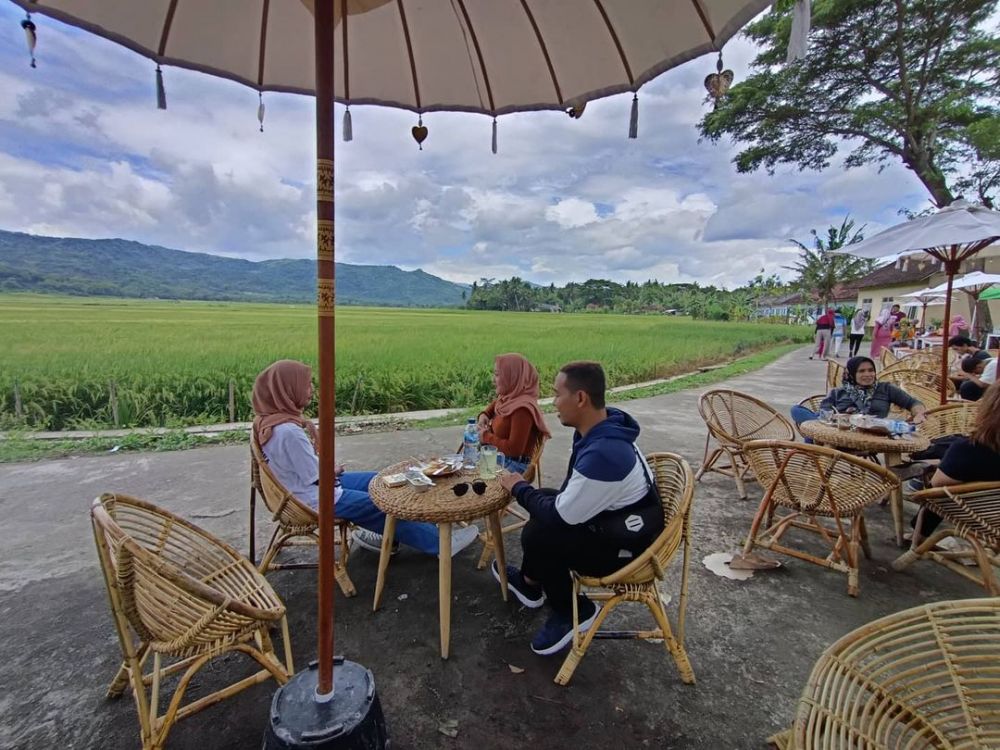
[(487, 56), (973, 284), (925, 297), (951, 235)]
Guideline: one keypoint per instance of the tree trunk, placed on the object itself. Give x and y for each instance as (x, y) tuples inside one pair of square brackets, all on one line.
[(918, 161)]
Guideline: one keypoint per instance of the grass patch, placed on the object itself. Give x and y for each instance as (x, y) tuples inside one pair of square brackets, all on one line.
[(17, 447)]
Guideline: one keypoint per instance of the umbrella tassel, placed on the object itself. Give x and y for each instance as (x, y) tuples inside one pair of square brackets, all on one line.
[(348, 128), (30, 36), (494, 135), (161, 93), (633, 120), (260, 110), (798, 40)]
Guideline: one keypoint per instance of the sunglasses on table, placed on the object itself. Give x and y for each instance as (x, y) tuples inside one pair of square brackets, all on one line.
[(460, 489)]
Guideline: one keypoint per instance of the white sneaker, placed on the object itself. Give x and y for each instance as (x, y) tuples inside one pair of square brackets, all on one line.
[(462, 537)]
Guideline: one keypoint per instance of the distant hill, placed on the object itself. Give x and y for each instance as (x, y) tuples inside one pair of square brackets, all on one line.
[(122, 268)]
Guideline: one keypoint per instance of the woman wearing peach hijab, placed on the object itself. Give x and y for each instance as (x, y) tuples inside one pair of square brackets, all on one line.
[(287, 438), (513, 422)]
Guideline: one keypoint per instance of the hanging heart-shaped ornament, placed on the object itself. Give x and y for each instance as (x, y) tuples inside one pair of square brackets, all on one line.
[(419, 133), (718, 84)]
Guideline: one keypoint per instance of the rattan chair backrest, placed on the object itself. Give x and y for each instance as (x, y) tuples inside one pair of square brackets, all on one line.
[(675, 483), (812, 402), (924, 678), (834, 374), (973, 508), (285, 508), (534, 465), (917, 376), (180, 587), (950, 419), (887, 358), (818, 480), (734, 417)]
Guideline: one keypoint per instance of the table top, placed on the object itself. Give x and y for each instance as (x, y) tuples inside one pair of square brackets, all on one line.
[(862, 441), (437, 504)]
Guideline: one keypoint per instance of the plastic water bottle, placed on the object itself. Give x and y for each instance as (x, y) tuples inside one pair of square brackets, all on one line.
[(470, 445), (899, 427)]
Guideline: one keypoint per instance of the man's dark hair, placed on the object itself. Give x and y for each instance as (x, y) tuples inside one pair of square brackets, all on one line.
[(969, 364), (962, 341), (587, 377)]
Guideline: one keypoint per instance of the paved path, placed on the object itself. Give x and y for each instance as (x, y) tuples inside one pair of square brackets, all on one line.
[(751, 644)]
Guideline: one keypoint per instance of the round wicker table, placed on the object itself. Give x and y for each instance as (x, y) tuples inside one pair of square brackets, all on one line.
[(440, 505), (866, 442)]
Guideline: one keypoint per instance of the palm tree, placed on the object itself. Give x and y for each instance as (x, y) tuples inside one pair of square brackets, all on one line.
[(820, 270)]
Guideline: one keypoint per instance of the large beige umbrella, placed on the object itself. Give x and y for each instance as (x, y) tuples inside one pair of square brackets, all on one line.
[(951, 236), (487, 56)]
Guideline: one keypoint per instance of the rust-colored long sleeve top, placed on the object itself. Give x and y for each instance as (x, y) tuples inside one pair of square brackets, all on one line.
[(514, 435)]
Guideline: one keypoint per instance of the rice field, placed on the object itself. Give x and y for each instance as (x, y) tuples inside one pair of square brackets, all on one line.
[(80, 362)]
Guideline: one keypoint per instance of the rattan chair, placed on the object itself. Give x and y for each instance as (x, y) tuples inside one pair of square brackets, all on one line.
[(181, 595), (732, 419), (296, 524), (970, 512), (834, 374), (887, 357), (812, 403), (514, 517), (927, 379), (950, 419), (811, 483), (925, 678), (639, 580)]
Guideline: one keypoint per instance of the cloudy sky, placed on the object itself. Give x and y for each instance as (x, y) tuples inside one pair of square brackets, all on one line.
[(84, 152)]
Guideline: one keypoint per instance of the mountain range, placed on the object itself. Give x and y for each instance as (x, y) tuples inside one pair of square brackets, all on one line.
[(123, 268)]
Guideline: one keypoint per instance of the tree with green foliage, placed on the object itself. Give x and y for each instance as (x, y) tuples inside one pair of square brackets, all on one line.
[(820, 270), (914, 81)]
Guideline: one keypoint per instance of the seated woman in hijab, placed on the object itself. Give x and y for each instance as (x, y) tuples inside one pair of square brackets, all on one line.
[(861, 393), (288, 438), (513, 422)]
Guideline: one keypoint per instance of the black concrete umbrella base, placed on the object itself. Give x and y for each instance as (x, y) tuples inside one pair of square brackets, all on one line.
[(351, 720)]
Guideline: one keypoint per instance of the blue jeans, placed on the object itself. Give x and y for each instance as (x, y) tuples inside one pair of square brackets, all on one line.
[(511, 465), (801, 414), (357, 507)]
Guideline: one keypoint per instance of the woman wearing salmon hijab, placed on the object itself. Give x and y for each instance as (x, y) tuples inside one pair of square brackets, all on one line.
[(513, 422), (288, 439)]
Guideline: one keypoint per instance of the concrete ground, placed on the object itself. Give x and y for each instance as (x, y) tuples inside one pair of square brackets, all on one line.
[(752, 644)]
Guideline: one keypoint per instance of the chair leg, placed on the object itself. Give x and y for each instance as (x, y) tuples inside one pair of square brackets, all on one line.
[(580, 646), (853, 572), (738, 474), (487, 552), (273, 548), (762, 511), (674, 649), (708, 460), (340, 566), (253, 525)]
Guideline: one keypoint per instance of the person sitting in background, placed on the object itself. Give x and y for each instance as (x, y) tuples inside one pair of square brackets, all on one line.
[(958, 326), (513, 422), (606, 513), (861, 393), (280, 394), (964, 348), (975, 458), (980, 374)]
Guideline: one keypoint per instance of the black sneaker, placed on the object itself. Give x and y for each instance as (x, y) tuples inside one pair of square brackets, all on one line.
[(528, 594), (557, 632)]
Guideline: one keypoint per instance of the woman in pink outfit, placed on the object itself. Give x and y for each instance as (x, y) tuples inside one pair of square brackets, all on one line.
[(882, 333)]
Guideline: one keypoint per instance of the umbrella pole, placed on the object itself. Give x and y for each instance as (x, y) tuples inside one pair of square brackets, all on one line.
[(317, 709), (950, 268), (923, 315), (975, 310), (325, 295)]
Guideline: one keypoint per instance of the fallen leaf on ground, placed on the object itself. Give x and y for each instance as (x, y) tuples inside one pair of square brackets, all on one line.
[(515, 670), (449, 728)]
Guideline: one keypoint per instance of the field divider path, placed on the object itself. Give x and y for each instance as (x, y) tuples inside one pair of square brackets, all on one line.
[(359, 419)]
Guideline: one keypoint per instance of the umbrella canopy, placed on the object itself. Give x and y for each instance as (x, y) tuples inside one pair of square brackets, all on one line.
[(486, 56), (973, 284), (925, 297), (950, 235), (993, 293)]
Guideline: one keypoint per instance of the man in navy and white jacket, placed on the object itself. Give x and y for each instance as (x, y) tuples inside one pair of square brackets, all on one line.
[(605, 514)]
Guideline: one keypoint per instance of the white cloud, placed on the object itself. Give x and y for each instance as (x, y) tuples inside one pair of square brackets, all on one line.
[(85, 152)]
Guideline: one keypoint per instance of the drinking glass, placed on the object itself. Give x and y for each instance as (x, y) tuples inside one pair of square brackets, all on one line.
[(490, 461), (825, 416)]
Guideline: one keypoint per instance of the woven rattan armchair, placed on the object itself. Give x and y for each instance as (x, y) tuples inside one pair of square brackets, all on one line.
[(887, 357), (639, 580), (732, 419), (925, 678), (928, 381), (178, 594), (970, 512), (808, 483), (834, 374), (514, 517), (812, 403), (296, 524), (950, 419)]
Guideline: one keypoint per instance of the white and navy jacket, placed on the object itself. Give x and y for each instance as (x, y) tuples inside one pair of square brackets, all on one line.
[(605, 472)]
